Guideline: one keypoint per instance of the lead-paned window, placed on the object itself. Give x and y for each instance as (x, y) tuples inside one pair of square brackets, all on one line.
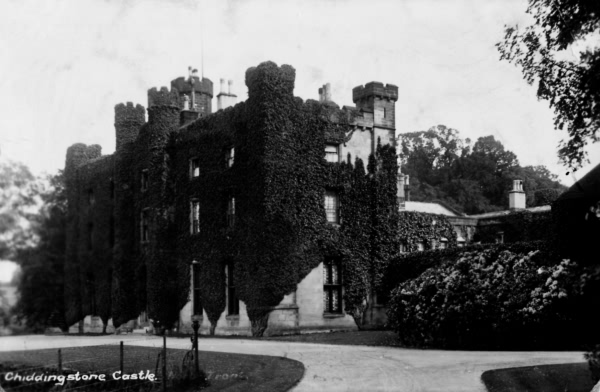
[(144, 180), (332, 207), (197, 304), (144, 226), (332, 286), (233, 302), (231, 211), (229, 157), (194, 217), (194, 167)]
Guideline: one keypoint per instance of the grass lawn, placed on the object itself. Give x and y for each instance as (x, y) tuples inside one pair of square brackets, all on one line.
[(568, 377), (225, 372)]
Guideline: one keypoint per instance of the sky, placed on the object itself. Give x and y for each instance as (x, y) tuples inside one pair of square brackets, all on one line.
[(66, 64)]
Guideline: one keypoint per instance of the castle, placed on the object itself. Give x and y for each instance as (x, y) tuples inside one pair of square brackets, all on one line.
[(246, 220)]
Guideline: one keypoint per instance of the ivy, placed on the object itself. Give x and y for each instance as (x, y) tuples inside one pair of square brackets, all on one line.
[(278, 180)]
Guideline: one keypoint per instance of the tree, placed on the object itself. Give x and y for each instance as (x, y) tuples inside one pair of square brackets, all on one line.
[(19, 191), (41, 287), (571, 86)]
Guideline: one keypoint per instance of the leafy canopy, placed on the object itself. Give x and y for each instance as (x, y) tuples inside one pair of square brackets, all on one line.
[(570, 85)]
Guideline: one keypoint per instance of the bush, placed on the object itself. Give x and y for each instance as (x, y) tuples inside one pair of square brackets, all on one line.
[(593, 358), (488, 299), (410, 265)]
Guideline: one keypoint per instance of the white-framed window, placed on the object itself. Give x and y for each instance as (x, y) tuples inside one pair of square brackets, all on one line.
[(144, 226), (332, 286), (144, 180), (332, 207), (332, 153), (194, 167), (231, 212), (229, 157), (194, 216)]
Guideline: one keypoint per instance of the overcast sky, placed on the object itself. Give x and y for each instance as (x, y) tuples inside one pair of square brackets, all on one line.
[(65, 64)]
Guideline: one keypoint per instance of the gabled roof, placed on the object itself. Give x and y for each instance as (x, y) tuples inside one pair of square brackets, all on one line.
[(430, 208), (587, 187)]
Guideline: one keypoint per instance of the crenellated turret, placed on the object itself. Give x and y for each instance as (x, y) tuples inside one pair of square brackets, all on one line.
[(128, 120), (379, 99)]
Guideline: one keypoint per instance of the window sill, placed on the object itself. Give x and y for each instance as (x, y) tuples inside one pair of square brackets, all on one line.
[(232, 317), (333, 315)]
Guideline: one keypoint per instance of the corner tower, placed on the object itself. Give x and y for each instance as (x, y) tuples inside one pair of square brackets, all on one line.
[(379, 99), (198, 90)]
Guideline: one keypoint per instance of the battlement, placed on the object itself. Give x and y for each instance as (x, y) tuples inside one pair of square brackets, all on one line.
[(184, 85), (375, 89), (163, 97), (270, 80), (129, 113)]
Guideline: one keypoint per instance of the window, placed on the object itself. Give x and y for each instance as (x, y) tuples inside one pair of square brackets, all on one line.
[(90, 239), (231, 212), (332, 287), (402, 247), (229, 157), (144, 226), (91, 197), (442, 243), (384, 113), (194, 168), (420, 246), (332, 153), (197, 304), (111, 234), (144, 180), (233, 302), (194, 217), (332, 207)]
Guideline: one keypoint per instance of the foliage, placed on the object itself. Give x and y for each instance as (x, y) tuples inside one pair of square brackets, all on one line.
[(570, 85), (489, 299), (19, 201), (278, 179), (40, 286), (473, 179), (427, 229), (593, 358), (520, 225), (408, 266), (545, 197)]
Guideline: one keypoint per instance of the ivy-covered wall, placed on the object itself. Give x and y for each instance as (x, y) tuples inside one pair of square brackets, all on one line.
[(278, 179)]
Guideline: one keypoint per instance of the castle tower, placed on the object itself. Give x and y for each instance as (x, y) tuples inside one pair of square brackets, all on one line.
[(380, 100), (199, 91)]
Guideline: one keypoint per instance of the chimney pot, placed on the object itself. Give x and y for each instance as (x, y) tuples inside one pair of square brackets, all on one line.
[(230, 85)]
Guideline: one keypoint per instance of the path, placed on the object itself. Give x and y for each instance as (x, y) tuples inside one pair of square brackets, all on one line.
[(340, 368)]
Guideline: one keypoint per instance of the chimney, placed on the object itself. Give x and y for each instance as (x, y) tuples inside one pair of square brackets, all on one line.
[(327, 92), (516, 197), (226, 97)]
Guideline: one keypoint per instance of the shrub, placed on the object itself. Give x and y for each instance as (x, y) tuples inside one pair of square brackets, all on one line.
[(488, 298), (593, 358)]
